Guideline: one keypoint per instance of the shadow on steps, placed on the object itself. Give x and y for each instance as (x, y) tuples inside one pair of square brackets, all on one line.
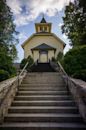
[(42, 67)]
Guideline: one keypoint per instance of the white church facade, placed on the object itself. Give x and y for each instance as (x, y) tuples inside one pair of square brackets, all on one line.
[(43, 45)]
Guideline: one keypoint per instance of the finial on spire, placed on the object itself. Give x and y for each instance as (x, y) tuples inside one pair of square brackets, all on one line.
[(42, 15)]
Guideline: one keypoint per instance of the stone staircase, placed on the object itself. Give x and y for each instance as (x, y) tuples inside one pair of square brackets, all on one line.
[(43, 103), (42, 67)]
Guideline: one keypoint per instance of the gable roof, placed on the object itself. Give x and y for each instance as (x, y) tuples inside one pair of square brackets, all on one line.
[(43, 46), (43, 34)]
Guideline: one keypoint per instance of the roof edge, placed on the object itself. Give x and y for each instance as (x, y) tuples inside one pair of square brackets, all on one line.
[(41, 34)]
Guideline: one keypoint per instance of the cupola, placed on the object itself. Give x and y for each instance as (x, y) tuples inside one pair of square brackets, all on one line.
[(43, 26)]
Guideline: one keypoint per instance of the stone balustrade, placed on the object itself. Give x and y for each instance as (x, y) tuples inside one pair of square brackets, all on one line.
[(8, 89), (76, 87), (78, 90)]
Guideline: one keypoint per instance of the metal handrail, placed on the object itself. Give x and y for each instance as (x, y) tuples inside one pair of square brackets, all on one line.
[(23, 69), (61, 67), (18, 76), (65, 75)]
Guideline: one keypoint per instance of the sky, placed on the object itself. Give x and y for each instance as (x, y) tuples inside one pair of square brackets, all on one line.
[(28, 12)]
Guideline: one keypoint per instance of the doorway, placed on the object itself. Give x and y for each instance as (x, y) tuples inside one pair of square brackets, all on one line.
[(43, 58)]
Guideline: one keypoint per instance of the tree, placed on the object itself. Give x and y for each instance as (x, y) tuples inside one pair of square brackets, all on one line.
[(8, 41), (74, 62), (7, 30), (59, 56), (6, 66), (24, 61), (75, 22)]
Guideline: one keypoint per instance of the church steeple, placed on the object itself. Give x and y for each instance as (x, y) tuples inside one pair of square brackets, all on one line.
[(43, 20), (43, 26)]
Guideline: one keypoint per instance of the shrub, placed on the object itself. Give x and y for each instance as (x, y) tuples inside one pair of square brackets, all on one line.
[(4, 75), (24, 61), (12, 71), (30, 61), (6, 66), (53, 59), (80, 74), (59, 56), (74, 62)]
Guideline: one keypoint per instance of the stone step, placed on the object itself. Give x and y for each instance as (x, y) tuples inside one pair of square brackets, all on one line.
[(42, 88), (43, 126), (42, 92), (44, 78), (43, 103), (43, 117), (42, 109), (43, 81), (43, 74), (61, 85), (50, 79), (43, 97)]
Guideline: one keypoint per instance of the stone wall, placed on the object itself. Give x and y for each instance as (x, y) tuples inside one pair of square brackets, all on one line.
[(76, 87), (78, 90), (8, 90)]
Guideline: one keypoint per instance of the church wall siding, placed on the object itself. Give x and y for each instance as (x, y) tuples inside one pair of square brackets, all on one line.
[(38, 40), (36, 55), (50, 54)]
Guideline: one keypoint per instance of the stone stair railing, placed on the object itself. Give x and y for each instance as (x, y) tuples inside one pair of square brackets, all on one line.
[(8, 89), (78, 89)]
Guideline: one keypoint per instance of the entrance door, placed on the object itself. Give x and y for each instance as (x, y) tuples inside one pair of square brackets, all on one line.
[(43, 56)]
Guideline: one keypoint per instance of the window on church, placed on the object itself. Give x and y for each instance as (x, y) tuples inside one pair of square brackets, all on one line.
[(45, 29), (41, 29)]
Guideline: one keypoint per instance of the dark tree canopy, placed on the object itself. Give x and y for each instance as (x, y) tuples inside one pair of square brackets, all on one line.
[(74, 62), (8, 41), (75, 22), (7, 30)]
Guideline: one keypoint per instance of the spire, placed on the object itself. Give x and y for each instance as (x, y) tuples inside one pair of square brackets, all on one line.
[(43, 26), (43, 19)]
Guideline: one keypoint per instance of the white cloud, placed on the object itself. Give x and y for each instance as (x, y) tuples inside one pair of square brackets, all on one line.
[(28, 10), (65, 37), (15, 6), (60, 25), (67, 48), (22, 36)]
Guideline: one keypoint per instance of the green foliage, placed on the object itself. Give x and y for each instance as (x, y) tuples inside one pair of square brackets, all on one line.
[(53, 59), (8, 41), (30, 61), (74, 62), (80, 74), (24, 61), (7, 66), (4, 75), (74, 27), (7, 30), (75, 22), (59, 56)]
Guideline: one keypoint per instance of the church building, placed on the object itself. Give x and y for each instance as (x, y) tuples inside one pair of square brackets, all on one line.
[(43, 45)]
